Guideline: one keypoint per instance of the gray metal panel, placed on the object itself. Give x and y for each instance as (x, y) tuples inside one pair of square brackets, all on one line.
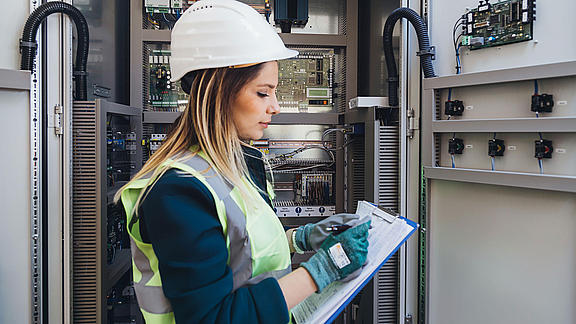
[(486, 242), (501, 255), (305, 119), (512, 100), (372, 72), (11, 23), (314, 40), (136, 59), (15, 199), (325, 17), (387, 169), (518, 156), (544, 71), (510, 179), (549, 124), (107, 62), (14, 79), (351, 63), (160, 117), (550, 44), (153, 35)]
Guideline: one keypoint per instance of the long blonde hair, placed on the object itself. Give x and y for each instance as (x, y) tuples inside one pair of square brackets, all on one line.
[(206, 122)]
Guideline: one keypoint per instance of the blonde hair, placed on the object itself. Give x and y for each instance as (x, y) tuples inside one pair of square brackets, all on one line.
[(206, 122)]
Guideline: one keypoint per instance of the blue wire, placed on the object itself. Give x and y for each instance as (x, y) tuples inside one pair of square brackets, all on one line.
[(449, 94), (535, 86), (453, 164), (492, 158), (540, 165)]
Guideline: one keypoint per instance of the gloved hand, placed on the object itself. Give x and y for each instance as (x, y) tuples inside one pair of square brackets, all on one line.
[(339, 256), (310, 236)]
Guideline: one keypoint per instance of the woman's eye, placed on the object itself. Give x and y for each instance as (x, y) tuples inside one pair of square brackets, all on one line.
[(261, 94)]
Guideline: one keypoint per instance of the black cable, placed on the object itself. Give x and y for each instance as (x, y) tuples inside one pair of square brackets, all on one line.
[(425, 52), (28, 44)]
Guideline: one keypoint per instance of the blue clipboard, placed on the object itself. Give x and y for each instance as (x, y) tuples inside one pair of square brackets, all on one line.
[(341, 308)]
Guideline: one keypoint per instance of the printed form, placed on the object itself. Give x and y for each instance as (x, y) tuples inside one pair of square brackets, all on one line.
[(386, 234)]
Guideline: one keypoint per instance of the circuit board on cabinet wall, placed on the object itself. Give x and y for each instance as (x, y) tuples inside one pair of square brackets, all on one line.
[(305, 83), (495, 24), (163, 94)]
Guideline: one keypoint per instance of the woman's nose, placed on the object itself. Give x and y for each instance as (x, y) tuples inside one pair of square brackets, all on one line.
[(274, 107)]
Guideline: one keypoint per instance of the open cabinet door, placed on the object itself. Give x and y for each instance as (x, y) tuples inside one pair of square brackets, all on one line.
[(500, 229)]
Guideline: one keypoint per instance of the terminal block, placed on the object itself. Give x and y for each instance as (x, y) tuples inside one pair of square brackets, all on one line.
[(542, 103), (456, 146), (543, 149), (496, 147), (453, 108)]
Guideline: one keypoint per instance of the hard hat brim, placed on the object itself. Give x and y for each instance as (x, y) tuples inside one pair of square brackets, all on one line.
[(177, 74)]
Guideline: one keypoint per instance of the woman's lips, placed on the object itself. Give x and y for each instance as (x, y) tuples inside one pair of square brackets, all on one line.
[(265, 125)]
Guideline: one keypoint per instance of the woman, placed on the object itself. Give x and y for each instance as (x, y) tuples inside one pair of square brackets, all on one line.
[(207, 246)]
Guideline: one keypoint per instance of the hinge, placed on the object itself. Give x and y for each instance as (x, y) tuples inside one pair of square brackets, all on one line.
[(408, 319), (58, 130), (412, 123)]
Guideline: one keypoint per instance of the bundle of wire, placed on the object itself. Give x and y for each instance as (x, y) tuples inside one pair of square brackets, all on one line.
[(457, 46), (540, 164), (287, 161)]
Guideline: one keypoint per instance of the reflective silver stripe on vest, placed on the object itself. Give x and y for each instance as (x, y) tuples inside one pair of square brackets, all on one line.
[(150, 298), (240, 250)]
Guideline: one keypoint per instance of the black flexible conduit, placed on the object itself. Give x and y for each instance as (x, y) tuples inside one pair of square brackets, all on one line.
[(426, 51), (28, 44)]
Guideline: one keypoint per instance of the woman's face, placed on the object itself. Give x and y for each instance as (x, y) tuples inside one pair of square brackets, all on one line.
[(256, 103)]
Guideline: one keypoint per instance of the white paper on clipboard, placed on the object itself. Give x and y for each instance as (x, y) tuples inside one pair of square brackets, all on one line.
[(387, 234)]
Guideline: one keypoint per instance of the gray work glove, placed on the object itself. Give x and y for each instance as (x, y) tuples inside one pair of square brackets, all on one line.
[(311, 236)]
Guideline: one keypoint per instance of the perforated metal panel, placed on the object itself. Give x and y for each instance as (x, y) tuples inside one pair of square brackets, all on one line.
[(387, 162), (85, 208), (356, 173)]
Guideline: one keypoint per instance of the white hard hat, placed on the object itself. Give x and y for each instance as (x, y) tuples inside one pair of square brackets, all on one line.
[(221, 33)]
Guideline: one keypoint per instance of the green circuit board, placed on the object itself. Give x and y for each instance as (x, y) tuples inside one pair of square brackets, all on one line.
[(163, 95), (305, 83), (499, 23)]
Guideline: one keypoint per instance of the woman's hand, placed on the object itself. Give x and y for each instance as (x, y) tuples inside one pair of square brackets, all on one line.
[(339, 256)]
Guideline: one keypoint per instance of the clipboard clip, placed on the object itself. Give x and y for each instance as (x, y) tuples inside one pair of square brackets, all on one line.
[(384, 213)]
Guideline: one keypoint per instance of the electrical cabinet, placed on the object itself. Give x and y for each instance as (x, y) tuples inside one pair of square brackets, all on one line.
[(482, 156), (319, 165), (498, 245), (106, 153)]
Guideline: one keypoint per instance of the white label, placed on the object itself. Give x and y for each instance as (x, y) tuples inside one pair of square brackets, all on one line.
[(469, 146), (524, 4), (525, 17), (560, 150), (338, 255), (512, 148), (483, 8), (469, 107), (470, 17), (562, 103)]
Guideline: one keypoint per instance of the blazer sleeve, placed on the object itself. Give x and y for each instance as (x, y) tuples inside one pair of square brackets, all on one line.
[(180, 220)]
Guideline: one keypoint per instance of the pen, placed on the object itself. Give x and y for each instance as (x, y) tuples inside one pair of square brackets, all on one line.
[(337, 229)]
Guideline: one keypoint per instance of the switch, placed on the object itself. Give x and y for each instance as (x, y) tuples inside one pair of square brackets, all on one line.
[(456, 146), (496, 147), (543, 149), (542, 103), (454, 107)]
